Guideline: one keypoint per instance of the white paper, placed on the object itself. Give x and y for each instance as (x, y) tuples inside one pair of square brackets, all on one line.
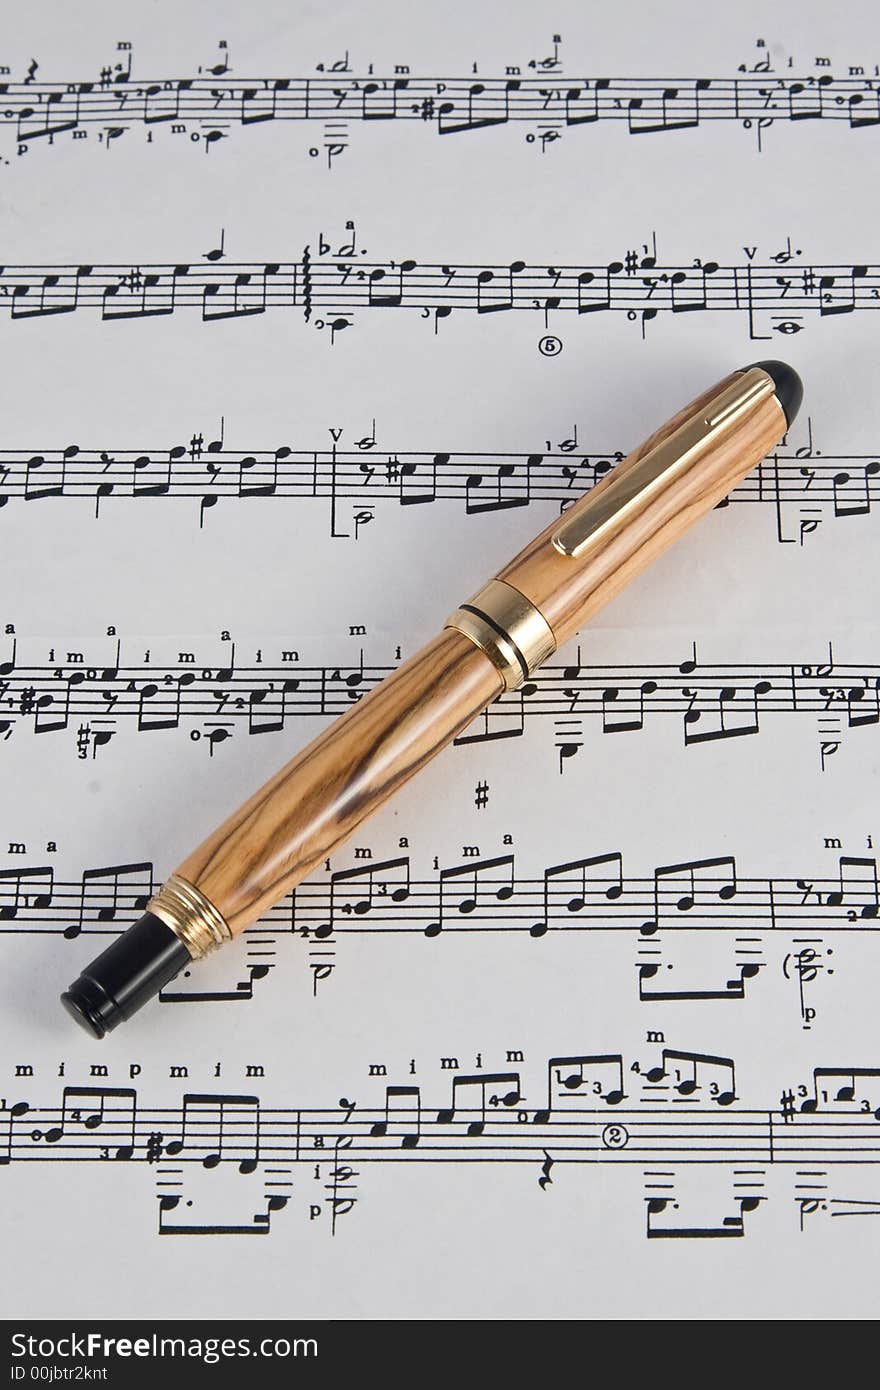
[(505, 984)]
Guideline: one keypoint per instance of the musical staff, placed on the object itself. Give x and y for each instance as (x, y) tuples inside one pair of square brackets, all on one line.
[(591, 1108), (94, 696), (330, 288), (206, 108), (590, 894), (801, 485)]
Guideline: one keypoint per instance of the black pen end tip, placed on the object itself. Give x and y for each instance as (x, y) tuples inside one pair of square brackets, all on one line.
[(84, 1006), (789, 387), (125, 976)]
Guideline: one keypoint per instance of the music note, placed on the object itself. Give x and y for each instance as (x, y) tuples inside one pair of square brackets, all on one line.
[(107, 893), (13, 1114), (858, 893), (834, 1087), (219, 1128), (570, 1079), (732, 713), (109, 1111), (268, 706), (403, 1116), (572, 887), (489, 1091), (358, 892), (728, 1226), (467, 888), (706, 885), (693, 1072), (672, 109), (25, 889)]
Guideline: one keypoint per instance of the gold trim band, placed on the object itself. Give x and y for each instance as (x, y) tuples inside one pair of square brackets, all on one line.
[(191, 916), (507, 626)]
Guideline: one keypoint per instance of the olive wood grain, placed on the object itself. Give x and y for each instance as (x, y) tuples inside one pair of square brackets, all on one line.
[(317, 800), (570, 590), (307, 809)]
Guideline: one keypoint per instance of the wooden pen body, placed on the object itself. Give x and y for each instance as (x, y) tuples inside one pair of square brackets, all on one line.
[(493, 641), (317, 800), (569, 590), (288, 827)]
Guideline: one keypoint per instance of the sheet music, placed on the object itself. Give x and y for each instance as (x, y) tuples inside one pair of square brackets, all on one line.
[(312, 317)]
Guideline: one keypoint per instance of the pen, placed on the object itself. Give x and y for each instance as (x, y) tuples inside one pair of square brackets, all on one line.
[(492, 643)]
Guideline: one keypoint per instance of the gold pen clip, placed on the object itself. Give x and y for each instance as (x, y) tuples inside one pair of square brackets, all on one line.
[(613, 506)]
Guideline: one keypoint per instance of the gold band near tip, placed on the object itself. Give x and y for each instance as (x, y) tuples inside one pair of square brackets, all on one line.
[(507, 626), (190, 915)]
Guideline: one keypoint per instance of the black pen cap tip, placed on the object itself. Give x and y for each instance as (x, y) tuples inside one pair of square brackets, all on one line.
[(83, 1001), (789, 387), (121, 979)]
